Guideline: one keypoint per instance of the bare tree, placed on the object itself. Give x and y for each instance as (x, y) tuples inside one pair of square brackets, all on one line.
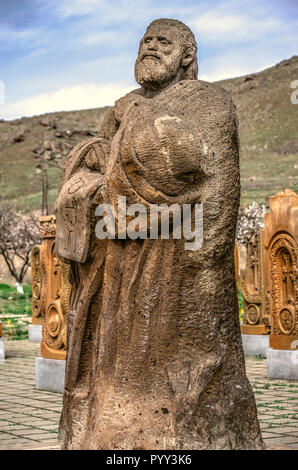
[(18, 234)]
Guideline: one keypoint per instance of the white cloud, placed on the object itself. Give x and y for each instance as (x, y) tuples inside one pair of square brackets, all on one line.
[(107, 38), (2, 92), (216, 25), (234, 64), (66, 99), (136, 12), (100, 37), (8, 35), (77, 7), (222, 74), (229, 71)]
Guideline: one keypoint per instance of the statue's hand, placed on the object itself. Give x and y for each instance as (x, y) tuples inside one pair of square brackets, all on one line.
[(125, 102), (96, 160)]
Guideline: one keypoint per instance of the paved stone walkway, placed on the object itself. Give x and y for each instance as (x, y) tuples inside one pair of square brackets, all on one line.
[(29, 418)]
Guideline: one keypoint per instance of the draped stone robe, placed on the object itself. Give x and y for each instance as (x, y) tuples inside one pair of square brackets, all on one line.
[(154, 357)]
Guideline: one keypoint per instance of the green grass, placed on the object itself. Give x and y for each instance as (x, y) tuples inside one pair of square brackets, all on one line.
[(13, 303), (32, 201), (259, 357)]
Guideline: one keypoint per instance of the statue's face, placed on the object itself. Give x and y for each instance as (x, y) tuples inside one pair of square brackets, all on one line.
[(159, 57)]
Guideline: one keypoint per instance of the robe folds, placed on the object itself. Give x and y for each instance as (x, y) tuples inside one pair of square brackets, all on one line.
[(154, 352)]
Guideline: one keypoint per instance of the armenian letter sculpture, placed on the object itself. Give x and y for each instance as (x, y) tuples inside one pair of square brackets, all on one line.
[(36, 285), (281, 241), (54, 293), (254, 288)]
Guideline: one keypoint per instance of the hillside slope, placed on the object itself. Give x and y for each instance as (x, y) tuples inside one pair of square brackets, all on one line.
[(268, 137), (19, 140), (268, 125)]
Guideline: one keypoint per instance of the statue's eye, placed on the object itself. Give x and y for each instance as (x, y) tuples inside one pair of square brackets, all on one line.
[(147, 40)]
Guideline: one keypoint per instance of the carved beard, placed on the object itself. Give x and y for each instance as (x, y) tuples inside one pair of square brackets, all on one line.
[(153, 72)]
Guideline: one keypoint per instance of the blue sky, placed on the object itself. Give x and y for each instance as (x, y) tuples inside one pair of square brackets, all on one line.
[(61, 55)]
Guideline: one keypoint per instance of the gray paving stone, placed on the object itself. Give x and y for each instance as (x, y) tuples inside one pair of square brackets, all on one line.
[(25, 408)]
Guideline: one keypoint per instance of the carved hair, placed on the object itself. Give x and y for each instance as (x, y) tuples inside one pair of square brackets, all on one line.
[(186, 40)]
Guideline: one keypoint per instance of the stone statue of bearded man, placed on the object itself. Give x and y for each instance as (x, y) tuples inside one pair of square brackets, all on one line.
[(154, 354)]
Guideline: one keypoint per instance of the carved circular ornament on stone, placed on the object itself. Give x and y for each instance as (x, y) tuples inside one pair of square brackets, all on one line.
[(253, 314), (54, 324), (36, 308), (53, 320), (286, 320), (36, 290)]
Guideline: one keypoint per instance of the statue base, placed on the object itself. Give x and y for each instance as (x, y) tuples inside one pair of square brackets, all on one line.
[(254, 329), (282, 364), (284, 342), (49, 374), (35, 333), (255, 344), (2, 349)]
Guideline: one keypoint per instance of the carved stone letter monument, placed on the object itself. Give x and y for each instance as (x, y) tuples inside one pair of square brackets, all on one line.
[(254, 287), (154, 353), (281, 241)]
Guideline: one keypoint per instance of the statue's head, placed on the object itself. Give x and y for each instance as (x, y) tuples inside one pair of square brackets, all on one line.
[(167, 53)]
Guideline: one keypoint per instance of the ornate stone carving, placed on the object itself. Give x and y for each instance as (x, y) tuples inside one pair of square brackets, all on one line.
[(55, 293), (48, 227), (281, 239), (36, 285), (254, 288)]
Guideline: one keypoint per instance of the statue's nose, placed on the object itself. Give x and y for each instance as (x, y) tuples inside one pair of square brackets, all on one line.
[(153, 45)]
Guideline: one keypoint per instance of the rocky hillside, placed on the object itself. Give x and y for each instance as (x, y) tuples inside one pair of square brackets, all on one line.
[(24, 141), (268, 123), (268, 137)]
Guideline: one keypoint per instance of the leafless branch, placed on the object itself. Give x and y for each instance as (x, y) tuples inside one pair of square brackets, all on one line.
[(18, 234)]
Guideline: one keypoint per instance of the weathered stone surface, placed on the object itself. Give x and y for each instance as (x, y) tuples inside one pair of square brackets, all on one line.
[(36, 285), (254, 288), (35, 333), (282, 364), (154, 352), (255, 344), (281, 242)]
